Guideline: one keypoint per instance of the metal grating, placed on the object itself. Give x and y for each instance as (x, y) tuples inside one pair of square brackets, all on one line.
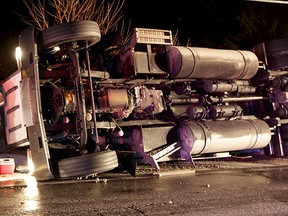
[(153, 36)]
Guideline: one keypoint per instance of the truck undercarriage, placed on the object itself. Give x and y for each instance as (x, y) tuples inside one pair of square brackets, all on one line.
[(95, 104)]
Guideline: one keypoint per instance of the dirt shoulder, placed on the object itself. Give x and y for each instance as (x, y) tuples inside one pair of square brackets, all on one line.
[(230, 163)]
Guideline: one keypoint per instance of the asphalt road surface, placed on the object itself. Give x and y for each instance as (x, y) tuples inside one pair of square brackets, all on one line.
[(249, 191)]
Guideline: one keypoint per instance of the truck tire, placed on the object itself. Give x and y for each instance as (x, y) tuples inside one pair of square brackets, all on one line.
[(277, 54), (82, 32), (87, 165)]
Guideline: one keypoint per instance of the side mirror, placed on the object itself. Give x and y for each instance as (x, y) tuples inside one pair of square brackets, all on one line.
[(2, 101)]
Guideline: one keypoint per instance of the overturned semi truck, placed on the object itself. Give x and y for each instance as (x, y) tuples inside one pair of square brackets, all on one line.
[(83, 104)]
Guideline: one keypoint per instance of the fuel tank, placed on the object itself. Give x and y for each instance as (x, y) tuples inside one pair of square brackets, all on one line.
[(207, 63), (198, 137)]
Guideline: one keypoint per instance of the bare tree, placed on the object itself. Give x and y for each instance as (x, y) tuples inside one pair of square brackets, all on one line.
[(42, 13)]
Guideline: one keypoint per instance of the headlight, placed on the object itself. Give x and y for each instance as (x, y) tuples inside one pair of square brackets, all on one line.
[(18, 56)]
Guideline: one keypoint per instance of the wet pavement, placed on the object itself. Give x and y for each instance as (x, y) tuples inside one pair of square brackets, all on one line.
[(213, 188)]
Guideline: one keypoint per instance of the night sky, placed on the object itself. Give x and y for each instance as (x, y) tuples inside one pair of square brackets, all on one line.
[(207, 23)]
